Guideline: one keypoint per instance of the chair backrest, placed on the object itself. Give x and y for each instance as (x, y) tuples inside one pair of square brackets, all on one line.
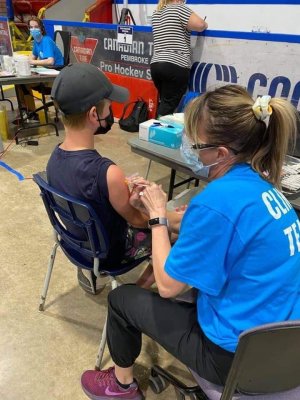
[(186, 98), (266, 360), (192, 91), (62, 40), (81, 234)]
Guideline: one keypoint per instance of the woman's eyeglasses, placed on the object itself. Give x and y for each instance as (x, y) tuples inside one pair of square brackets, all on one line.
[(199, 146)]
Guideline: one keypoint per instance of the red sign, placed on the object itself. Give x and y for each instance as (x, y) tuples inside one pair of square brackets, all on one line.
[(137, 88), (83, 51)]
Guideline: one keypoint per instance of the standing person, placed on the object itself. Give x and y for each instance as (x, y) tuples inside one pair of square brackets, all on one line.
[(225, 247), (77, 169), (172, 23), (45, 53)]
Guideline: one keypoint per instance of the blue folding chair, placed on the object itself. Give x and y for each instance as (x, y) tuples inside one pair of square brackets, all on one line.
[(186, 98), (87, 249), (194, 87)]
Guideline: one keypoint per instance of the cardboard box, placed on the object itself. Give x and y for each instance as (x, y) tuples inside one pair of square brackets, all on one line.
[(166, 135), (144, 129)]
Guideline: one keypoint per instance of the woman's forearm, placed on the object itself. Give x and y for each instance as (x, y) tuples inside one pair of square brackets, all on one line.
[(47, 61), (160, 250), (161, 246), (154, 200)]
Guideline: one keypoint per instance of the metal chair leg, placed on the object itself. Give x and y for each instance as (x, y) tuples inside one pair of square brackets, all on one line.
[(148, 169), (48, 276), (101, 348), (11, 104), (181, 390), (114, 285), (4, 99)]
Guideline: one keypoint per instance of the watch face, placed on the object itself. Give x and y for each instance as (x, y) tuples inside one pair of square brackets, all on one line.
[(154, 221), (158, 221)]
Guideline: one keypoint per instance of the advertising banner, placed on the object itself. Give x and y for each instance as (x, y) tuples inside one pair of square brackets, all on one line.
[(263, 67), (121, 50), (5, 39)]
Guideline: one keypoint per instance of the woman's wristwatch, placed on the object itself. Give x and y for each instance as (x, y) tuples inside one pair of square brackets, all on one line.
[(158, 221)]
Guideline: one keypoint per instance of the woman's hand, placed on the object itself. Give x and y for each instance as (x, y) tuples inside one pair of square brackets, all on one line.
[(136, 185), (136, 180), (181, 209), (154, 199), (135, 199)]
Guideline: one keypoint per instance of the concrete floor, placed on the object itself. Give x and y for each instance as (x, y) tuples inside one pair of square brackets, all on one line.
[(44, 353)]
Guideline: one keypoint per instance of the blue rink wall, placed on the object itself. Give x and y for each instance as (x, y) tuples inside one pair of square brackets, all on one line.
[(264, 63)]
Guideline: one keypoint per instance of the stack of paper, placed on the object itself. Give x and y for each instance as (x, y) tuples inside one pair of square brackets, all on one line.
[(45, 71)]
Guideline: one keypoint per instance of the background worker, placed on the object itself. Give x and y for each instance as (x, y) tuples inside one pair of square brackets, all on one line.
[(45, 53), (172, 23)]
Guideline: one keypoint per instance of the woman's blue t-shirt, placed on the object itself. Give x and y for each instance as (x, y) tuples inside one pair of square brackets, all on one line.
[(239, 244), (47, 48)]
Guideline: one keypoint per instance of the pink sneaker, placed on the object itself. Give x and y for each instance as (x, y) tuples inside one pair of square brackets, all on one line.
[(101, 385)]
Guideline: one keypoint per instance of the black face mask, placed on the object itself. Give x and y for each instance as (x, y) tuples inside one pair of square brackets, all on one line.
[(101, 130)]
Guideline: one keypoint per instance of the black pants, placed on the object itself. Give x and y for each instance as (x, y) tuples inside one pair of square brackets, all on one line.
[(171, 82), (133, 311)]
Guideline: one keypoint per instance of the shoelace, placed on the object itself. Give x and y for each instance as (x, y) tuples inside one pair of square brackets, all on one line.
[(105, 375)]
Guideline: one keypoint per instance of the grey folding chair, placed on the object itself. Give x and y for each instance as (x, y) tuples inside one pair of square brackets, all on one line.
[(265, 367)]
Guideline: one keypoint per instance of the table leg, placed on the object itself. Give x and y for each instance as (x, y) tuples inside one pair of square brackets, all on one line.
[(17, 90), (171, 183)]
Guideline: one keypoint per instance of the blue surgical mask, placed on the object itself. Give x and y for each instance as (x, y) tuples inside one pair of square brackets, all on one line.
[(36, 34), (193, 159), (203, 170)]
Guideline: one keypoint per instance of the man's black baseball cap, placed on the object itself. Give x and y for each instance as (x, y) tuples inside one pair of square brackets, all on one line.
[(78, 87)]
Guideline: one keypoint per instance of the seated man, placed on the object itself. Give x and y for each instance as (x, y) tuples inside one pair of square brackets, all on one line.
[(84, 94)]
